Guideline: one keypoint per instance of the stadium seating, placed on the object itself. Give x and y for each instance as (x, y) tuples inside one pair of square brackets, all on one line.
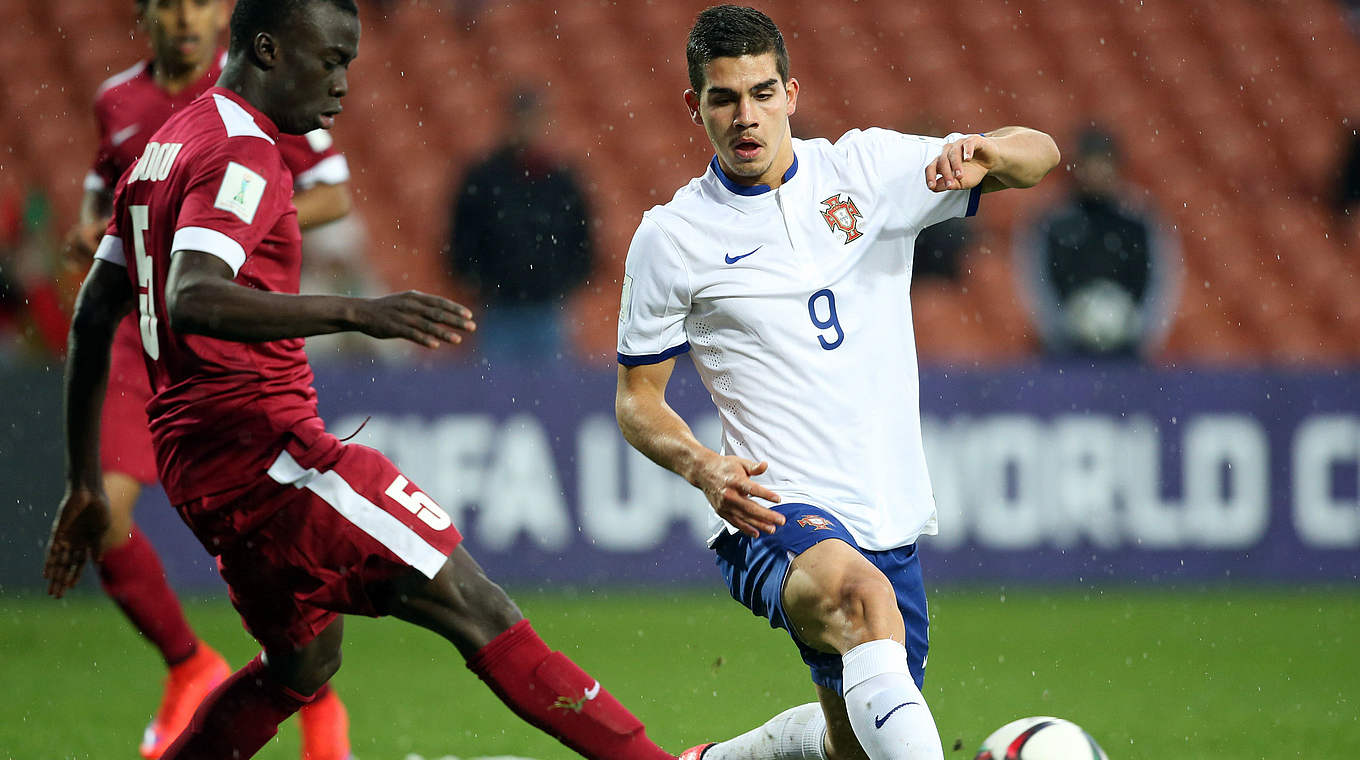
[(1231, 113)]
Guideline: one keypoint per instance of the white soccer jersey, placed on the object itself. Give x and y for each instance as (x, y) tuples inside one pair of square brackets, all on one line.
[(795, 303)]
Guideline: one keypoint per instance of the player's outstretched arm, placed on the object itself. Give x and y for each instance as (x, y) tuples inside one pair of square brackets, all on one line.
[(84, 513), (653, 427), (201, 298), (1002, 158)]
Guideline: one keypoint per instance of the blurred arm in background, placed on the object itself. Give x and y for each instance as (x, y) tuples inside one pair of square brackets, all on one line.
[(83, 238), (320, 204)]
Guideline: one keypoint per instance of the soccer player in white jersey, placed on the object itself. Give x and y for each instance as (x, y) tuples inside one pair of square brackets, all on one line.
[(785, 271)]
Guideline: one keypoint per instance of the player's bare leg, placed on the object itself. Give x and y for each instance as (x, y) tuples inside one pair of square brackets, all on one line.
[(841, 743), (244, 713), (543, 687), (837, 601), (132, 576), (123, 492)]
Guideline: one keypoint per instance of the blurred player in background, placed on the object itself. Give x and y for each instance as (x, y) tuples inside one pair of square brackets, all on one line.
[(786, 269), (186, 60), (204, 244)]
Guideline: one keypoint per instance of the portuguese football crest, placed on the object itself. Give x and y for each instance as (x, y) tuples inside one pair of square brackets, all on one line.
[(816, 522), (842, 215)]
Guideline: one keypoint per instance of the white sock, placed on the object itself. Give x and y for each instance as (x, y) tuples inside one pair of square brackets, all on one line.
[(795, 734), (886, 709)]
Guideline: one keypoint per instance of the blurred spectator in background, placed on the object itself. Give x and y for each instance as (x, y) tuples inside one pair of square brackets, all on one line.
[(1352, 10), (520, 236), (939, 249), (1348, 189), (1098, 268), (34, 282)]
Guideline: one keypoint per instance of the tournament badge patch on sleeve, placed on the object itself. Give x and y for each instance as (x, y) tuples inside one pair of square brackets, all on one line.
[(240, 192), (842, 215)]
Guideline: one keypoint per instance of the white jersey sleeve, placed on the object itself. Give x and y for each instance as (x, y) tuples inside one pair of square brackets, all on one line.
[(111, 250), (898, 162), (655, 299)]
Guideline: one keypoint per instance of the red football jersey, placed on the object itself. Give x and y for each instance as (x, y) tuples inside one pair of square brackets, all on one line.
[(129, 107), (212, 179)]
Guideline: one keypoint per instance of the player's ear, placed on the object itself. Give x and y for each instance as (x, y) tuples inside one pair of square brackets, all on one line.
[(792, 89), (266, 50), (692, 103)]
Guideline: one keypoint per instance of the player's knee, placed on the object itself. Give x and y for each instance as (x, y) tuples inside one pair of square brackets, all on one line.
[(480, 601), (318, 668), (863, 608), (329, 665), (122, 491), (460, 603), (305, 670)]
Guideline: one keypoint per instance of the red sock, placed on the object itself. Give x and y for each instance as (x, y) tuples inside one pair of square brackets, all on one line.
[(548, 690), (133, 577), (238, 717)]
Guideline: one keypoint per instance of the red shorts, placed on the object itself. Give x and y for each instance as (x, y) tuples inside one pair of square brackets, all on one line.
[(339, 527), (124, 438)]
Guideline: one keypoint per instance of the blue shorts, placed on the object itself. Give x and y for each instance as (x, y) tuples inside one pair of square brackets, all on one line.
[(755, 568)]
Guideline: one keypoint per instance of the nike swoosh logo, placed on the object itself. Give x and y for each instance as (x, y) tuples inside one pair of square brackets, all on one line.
[(734, 259), (878, 722), (594, 692), (122, 135)]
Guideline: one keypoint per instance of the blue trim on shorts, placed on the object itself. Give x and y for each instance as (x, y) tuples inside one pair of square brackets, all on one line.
[(755, 568)]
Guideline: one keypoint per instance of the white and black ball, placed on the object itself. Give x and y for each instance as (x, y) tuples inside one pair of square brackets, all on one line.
[(1040, 738)]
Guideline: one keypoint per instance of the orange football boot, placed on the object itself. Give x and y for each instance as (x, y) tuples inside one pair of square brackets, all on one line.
[(188, 683), (325, 729)]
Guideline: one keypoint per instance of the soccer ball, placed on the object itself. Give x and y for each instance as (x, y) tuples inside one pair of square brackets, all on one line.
[(1040, 738)]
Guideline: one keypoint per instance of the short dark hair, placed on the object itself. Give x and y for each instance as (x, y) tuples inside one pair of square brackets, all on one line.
[(731, 31), (250, 17)]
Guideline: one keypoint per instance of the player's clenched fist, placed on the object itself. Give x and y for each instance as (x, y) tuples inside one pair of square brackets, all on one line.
[(418, 317), (962, 164), (726, 481)]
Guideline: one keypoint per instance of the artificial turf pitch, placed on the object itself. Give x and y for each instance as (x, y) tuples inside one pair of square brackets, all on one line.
[(1215, 673)]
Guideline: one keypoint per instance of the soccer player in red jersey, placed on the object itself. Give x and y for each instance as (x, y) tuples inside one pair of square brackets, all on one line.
[(204, 244), (129, 107)]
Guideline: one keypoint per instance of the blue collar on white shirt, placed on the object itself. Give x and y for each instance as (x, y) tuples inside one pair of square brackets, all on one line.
[(751, 189)]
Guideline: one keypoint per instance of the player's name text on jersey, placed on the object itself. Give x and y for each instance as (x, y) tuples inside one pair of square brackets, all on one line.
[(155, 163)]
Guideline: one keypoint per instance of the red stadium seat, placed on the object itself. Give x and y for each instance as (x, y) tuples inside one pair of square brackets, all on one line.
[(1212, 100)]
